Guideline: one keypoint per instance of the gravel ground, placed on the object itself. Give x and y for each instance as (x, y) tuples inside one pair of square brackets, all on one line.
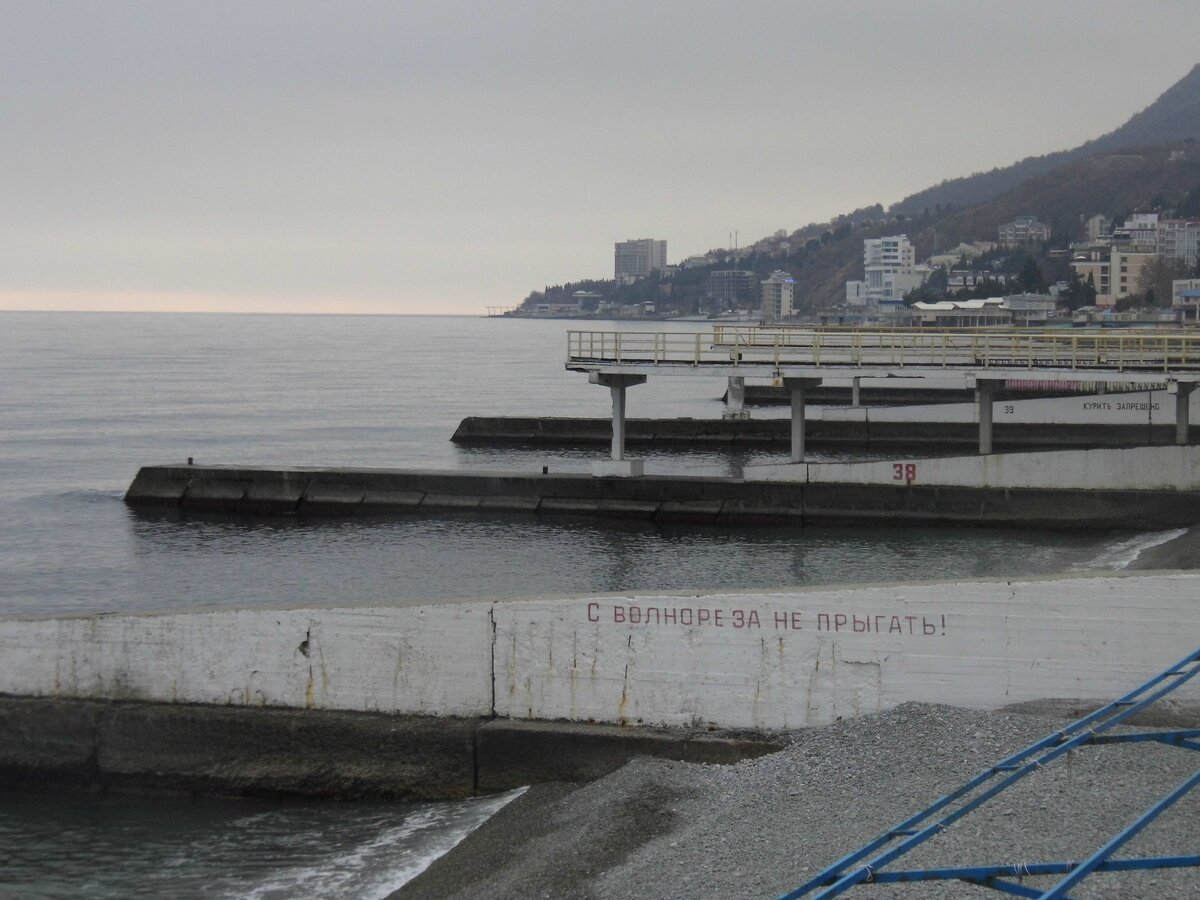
[(657, 828)]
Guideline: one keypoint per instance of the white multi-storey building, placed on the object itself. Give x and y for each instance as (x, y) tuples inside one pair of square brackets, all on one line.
[(889, 271), (1179, 241), (1096, 227), (778, 296), (636, 259), (1142, 228)]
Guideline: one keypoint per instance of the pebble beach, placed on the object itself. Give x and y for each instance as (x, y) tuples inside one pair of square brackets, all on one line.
[(761, 828)]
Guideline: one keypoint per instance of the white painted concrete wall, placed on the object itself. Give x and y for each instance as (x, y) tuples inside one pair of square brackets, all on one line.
[(432, 660), (1134, 468), (1141, 408), (759, 659), (789, 659)]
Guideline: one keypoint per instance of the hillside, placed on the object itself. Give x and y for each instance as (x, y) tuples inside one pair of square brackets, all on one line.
[(1114, 184), (1175, 116), (1129, 169)]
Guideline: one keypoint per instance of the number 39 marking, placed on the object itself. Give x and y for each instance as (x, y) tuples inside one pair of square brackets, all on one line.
[(904, 472)]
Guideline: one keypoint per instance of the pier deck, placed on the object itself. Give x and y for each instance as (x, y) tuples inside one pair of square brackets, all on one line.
[(803, 358)]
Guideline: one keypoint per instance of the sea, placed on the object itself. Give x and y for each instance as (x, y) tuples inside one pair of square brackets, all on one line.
[(88, 398)]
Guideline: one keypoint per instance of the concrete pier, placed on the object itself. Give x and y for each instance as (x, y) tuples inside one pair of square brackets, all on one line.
[(796, 387), (1140, 488), (985, 392), (618, 465)]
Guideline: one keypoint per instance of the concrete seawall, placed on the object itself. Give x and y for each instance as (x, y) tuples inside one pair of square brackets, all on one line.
[(703, 500), (449, 699), (857, 429)]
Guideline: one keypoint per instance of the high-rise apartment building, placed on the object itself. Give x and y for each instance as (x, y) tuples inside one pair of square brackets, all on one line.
[(636, 259), (777, 296), (889, 271), (731, 288), (1178, 240)]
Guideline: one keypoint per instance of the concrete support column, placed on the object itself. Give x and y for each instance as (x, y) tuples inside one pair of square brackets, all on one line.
[(1183, 401), (855, 395), (735, 398), (617, 385), (795, 388), (985, 391)]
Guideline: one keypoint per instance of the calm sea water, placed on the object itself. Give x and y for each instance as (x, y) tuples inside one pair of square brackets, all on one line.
[(85, 399)]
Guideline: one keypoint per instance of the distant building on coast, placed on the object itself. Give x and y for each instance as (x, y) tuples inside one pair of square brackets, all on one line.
[(1114, 272), (1178, 240), (1023, 230), (889, 271), (1185, 297), (777, 297), (636, 259), (731, 288)]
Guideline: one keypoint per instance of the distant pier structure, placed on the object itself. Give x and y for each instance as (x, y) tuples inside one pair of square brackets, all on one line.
[(802, 358)]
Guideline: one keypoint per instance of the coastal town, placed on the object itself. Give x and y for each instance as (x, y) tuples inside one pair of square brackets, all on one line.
[(1143, 270), (854, 558)]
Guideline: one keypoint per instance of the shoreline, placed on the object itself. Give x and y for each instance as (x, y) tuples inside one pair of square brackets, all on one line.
[(761, 828), (1181, 552)]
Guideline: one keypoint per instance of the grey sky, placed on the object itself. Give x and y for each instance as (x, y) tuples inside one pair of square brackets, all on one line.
[(446, 156)]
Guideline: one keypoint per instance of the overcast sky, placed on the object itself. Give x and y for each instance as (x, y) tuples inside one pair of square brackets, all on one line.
[(442, 157)]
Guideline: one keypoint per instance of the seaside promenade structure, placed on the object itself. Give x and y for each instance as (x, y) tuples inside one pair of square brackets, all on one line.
[(485, 695), (803, 358)]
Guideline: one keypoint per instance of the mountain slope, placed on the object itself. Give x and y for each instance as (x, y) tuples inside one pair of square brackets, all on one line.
[(1175, 116), (1110, 183)]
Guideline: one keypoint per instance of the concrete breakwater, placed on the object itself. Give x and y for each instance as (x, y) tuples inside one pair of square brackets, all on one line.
[(393, 700), (322, 753), (804, 494), (861, 428)]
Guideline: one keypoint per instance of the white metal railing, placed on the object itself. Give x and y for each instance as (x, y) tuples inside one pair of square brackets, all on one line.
[(724, 345)]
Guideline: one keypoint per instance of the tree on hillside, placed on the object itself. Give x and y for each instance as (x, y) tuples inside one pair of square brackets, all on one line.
[(1190, 206), (1079, 293), (1030, 277), (1155, 280), (932, 290)]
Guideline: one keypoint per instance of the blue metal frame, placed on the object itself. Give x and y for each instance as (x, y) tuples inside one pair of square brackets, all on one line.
[(851, 869)]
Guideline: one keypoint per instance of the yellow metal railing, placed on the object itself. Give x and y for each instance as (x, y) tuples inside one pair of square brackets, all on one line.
[(1119, 351)]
